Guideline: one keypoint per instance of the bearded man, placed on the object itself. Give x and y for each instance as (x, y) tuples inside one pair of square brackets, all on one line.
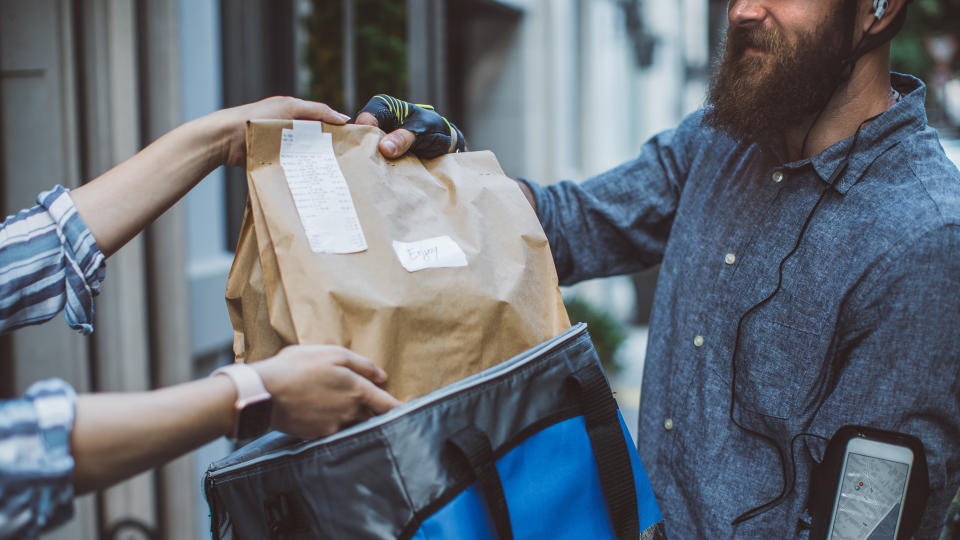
[(808, 226)]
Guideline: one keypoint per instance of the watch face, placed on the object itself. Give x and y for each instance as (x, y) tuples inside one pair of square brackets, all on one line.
[(254, 419)]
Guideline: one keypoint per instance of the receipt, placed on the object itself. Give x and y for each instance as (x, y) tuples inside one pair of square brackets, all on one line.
[(320, 192), (439, 252)]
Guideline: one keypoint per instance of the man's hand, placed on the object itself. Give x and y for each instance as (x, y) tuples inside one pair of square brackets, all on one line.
[(319, 389), (234, 149), (417, 128)]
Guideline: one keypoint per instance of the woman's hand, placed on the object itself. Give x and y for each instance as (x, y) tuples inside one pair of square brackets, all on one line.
[(122, 201), (317, 390), (320, 389), (233, 122)]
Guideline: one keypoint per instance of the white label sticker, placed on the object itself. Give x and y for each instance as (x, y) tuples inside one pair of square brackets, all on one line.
[(439, 252), (319, 190)]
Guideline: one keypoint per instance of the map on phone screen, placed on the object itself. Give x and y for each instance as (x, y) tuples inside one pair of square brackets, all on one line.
[(870, 499)]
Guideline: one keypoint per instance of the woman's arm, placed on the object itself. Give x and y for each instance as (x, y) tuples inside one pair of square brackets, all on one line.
[(118, 435), (122, 201), (316, 391)]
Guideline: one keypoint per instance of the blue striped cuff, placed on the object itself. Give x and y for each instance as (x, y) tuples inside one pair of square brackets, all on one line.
[(36, 466), (84, 263)]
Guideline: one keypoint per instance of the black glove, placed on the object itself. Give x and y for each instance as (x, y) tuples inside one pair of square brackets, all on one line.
[(435, 134)]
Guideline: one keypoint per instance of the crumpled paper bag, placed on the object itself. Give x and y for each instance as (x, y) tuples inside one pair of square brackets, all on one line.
[(426, 328)]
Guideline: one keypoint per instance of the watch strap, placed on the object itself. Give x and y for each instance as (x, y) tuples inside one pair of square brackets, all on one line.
[(250, 388), (253, 404)]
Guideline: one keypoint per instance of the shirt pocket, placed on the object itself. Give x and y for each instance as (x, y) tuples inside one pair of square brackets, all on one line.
[(779, 356)]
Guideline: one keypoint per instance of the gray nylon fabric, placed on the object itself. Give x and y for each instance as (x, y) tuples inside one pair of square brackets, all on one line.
[(370, 480), (657, 531)]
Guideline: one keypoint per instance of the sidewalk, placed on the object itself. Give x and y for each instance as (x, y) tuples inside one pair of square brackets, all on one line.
[(626, 384)]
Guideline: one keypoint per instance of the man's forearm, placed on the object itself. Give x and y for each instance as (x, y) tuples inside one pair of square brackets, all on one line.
[(118, 435)]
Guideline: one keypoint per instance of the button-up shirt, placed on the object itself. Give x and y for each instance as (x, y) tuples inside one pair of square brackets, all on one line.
[(49, 261), (864, 327)]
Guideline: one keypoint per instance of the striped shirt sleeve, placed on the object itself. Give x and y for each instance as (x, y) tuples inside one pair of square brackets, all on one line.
[(49, 261), (36, 468)]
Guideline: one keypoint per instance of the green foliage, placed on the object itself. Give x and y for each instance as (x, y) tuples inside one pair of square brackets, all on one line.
[(379, 44), (925, 18), (381, 48), (324, 54), (607, 334)]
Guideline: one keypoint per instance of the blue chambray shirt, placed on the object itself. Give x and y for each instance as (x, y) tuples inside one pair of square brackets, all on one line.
[(864, 330)]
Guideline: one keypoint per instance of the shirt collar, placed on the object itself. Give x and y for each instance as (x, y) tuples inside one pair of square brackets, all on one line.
[(907, 116)]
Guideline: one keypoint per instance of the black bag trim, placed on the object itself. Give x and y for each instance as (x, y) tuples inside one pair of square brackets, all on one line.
[(474, 445), (609, 450), (214, 502), (465, 480)]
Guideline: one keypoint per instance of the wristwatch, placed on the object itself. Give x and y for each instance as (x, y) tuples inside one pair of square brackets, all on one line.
[(254, 404)]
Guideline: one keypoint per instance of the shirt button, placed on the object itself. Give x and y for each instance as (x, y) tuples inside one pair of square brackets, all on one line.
[(698, 341), (668, 424), (730, 258), (777, 176)]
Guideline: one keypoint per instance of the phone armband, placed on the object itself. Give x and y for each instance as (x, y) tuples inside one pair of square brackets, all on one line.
[(826, 479)]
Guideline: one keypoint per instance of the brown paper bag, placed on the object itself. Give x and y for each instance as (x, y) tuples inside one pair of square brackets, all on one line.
[(426, 328)]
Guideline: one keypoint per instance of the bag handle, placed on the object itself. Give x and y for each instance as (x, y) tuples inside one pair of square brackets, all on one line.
[(609, 449), (474, 445)]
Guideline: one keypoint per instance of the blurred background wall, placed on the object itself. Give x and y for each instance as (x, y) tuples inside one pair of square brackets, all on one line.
[(556, 88)]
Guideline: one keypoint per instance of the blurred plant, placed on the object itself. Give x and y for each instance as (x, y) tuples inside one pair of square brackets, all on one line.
[(605, 331), (927, 47), (380, 46), (925, 18), (324, 54)]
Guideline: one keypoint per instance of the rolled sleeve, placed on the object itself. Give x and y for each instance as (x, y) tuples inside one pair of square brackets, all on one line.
[(83, 261), (36, 468), (49, 261)]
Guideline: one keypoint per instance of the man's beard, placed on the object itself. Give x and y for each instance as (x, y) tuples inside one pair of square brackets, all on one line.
[(759, 97)]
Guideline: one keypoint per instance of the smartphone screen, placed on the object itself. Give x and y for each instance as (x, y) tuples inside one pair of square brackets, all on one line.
[(870, 499)]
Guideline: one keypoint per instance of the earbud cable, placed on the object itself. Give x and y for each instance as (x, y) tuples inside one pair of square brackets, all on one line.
[(789, 485)]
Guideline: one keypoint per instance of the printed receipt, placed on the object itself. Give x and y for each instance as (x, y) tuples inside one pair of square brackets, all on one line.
[(319, 190), (439, 252)]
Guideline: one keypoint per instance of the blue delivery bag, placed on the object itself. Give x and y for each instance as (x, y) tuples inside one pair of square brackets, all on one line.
[(534, 447)]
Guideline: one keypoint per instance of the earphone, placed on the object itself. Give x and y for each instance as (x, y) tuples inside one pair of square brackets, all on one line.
[(880, 8)]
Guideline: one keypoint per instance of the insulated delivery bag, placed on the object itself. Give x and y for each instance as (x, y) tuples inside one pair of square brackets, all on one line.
[(532, 448)]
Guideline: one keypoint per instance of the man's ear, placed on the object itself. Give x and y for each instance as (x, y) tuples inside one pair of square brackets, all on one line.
[(890, 14)]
